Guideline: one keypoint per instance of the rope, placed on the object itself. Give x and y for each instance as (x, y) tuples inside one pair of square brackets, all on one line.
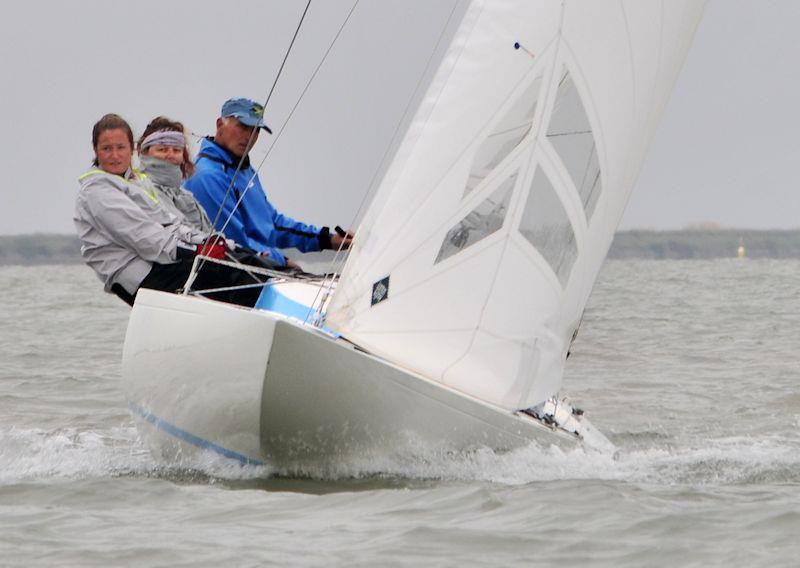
[(228, 288), (249, 268), (276, 275)]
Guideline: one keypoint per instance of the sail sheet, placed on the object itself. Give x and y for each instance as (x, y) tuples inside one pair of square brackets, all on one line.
[(477, 256)]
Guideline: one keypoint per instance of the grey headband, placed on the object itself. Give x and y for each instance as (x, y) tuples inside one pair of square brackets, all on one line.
[(165, 138)]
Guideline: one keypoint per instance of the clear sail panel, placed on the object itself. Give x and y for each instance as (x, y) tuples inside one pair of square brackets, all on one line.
[(571, 135), (546, 226), (507, 135), (479, 223)]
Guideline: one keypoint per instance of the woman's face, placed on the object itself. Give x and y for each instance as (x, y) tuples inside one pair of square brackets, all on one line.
[(113, 151), (167, 153)]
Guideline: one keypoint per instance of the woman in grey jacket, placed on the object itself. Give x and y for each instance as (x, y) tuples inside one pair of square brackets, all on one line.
[(129, 239), (164, 159)]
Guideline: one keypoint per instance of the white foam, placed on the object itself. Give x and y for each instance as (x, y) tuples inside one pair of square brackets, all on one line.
[(722, 461), (31, 454)]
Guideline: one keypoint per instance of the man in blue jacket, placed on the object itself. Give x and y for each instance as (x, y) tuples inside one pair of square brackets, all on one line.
[(225, 177)]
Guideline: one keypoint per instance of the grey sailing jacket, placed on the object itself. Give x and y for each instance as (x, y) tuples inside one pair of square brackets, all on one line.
[(123, 229)]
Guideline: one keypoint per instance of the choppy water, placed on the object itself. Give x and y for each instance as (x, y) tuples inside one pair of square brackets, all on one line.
[(691, 368)]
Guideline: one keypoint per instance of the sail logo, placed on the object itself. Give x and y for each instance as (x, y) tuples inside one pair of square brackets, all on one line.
[(380, 290)]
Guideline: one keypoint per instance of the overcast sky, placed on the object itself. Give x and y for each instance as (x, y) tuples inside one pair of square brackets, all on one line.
[(726, 150)]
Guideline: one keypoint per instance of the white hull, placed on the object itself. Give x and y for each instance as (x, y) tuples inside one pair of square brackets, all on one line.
[(258, 387)]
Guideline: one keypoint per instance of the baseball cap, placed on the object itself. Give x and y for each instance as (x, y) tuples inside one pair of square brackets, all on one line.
[(249, 112)]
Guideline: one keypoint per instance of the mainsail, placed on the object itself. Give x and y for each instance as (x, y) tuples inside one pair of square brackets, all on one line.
[(477, 256)]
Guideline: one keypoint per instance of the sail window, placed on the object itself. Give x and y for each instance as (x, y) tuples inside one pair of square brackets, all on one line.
[(546, 226), (571, 135), (479, 223), (507, 135)]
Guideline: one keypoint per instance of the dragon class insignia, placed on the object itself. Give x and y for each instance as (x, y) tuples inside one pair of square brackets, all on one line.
[(380, 291)]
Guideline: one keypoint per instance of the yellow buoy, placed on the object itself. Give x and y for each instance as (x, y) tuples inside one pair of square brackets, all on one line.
[(741, 248)]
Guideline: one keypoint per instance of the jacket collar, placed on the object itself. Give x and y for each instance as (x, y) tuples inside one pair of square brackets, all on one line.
[(161, 172), (130, 175), (211, 148)]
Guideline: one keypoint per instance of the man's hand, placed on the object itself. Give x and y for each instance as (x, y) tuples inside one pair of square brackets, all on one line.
[(342, 239)]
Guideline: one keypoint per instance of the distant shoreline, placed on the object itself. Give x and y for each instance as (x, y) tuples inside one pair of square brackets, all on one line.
[(38, 249), (705, 244)]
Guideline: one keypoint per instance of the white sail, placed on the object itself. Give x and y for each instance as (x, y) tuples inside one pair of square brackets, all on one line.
[(476, 258)]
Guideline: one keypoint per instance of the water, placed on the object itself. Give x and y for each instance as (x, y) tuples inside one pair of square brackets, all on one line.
[(691, 368)]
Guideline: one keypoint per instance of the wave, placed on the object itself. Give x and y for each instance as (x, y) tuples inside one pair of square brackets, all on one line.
[(36, 454)]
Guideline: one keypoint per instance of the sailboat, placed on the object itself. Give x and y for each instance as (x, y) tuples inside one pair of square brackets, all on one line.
[(450, 324)]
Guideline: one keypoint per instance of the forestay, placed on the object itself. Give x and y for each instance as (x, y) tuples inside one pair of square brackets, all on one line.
[(476, 258)]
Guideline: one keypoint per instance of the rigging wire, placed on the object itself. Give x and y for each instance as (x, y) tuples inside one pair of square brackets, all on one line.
[(251, 140), (297, 103), (327, 286), (255, 130), (289, 117)]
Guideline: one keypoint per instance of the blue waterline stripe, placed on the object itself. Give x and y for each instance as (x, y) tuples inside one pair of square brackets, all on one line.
[(202, 443)]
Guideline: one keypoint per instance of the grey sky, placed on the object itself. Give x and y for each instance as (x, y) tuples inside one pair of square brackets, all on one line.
[(725, 151), (728, 145)]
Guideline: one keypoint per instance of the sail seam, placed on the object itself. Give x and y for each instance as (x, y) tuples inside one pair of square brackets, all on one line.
[(557, 134), (505, 243), (635, 106), (590, 110), (528, 385), (521, 176)]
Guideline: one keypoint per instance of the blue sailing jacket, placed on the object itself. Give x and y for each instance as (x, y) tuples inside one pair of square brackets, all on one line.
[(256, 224)]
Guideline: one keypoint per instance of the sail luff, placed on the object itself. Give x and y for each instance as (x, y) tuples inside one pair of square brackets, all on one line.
[(365, 244)]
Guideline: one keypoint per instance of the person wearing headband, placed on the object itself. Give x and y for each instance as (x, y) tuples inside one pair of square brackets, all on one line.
[(130, 240), (229, 189), (164, 160)]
